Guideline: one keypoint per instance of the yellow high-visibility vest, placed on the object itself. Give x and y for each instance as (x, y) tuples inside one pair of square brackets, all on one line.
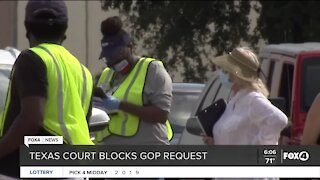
[(69, 94), (130, 90)]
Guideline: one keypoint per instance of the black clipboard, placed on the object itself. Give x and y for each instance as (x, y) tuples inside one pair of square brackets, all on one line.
[(210, 115), (98, 92)]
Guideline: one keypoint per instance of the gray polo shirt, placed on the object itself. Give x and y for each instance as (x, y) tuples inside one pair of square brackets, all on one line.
[(158, 92)]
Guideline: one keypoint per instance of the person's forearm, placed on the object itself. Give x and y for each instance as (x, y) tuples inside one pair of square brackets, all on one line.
[(150, 113), (15, 135)]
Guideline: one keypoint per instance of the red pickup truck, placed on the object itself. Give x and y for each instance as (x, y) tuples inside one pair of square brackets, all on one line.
[(293, 73)]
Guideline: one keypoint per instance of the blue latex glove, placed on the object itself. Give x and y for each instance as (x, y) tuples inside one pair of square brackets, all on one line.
[(110, 102)]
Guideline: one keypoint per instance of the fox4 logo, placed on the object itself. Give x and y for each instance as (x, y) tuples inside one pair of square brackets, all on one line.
[(301, 156)]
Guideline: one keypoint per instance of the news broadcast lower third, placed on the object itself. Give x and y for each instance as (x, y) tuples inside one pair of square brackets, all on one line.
[(48, 157)]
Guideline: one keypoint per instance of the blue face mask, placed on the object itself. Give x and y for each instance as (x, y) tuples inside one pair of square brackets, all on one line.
[(224, 79)]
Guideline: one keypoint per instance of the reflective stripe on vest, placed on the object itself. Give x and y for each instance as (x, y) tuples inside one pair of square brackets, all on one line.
[(60, 99), (133, 83), (84, 87), (73, 124), (105, 79), (69, 94)]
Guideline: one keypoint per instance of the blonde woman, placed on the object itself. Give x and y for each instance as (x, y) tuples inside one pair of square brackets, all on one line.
[(250, 118)]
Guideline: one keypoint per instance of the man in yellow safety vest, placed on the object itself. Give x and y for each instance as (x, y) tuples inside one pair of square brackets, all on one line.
[(50, 90)]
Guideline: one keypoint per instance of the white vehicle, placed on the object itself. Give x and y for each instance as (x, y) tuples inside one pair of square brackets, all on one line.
[(212, 92), (99, 118), (7, 59), (185, 95)]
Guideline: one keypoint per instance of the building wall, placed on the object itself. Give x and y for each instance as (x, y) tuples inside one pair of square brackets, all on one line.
[(8, 15), (83, 34)]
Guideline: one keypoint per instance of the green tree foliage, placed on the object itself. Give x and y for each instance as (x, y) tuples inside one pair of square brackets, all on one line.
[(192, 31), (288, 21)]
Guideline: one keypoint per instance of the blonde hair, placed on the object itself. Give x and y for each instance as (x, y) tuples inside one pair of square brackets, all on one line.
[(256, 85)]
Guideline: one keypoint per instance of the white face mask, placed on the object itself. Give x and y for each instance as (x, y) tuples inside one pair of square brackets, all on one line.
[(224, 79), (120, 66)]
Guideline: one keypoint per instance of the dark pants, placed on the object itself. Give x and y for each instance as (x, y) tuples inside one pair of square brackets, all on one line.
[(10, 166)]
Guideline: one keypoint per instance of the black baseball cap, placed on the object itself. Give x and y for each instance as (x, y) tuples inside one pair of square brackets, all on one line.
[(111, 45), (46, 11)]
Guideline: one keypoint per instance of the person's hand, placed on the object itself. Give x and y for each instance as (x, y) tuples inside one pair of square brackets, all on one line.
[(207, 139), (110, 102)]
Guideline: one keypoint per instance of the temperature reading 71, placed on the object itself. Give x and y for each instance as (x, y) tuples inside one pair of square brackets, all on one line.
[(270, 160)]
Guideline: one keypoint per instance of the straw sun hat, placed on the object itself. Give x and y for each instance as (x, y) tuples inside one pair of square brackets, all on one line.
[(241, 62)]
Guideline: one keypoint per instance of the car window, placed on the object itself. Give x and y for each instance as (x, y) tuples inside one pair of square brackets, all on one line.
[(285, 89), (210, 95), (265, 66), (4, 81), (223, 93), (212, 92), (182, 104), (215, 92), (268, 70), (309, 82)]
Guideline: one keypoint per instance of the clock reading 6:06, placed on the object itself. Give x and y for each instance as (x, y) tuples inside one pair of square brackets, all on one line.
[(269, 151)]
